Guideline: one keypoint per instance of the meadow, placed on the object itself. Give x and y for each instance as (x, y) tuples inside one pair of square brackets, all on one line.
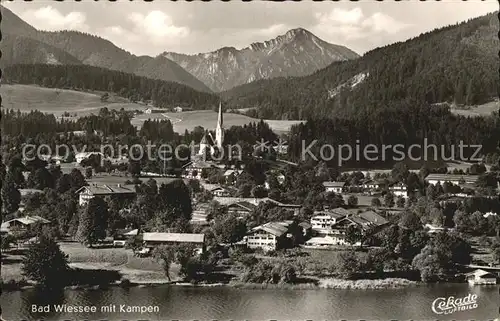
[(79, 103), (58, 101), (479, 110), (208, 120)]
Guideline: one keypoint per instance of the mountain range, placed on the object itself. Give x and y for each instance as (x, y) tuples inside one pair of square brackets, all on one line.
[(455, 65), (296, 53), (294, 76), (22, 43)]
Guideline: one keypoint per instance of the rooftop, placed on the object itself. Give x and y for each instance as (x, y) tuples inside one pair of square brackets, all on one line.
[(333, 184), (274, 228), (108, 189), (452, 177), (173, 237)]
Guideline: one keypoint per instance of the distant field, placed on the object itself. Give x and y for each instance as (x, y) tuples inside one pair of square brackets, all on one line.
[(58, 101), (208, 120), (480, 110)]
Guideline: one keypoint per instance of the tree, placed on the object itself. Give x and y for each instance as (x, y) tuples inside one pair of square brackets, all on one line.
[(46, 264), (77, 179), (40, 179), (495, 249), (259, 191), (428, 262), (376, 202), (400, 201), (410, 220), (11, 197), (104, 97), (348, 264), (166, 255), (244, 190), (353, 234), (389, 200), (63, 184), (215, 210), (93, 221), (88, 172), (352, 201), (228, 229)]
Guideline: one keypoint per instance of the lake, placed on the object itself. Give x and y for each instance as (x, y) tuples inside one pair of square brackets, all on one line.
[(223, 303)]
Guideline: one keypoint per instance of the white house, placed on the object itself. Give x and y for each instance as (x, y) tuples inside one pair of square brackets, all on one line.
[(178, 109), (23, 223), (431, 229), (88, 192), (268, 237), (399, 189), (81, 156), (155, 238), (479, 277), (322, 221), (434, 179), (321, 242), (336, 187)]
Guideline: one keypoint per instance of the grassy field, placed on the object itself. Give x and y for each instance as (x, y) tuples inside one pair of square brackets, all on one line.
[(479, 110), (58, 101), (139, 270), (208, 120)]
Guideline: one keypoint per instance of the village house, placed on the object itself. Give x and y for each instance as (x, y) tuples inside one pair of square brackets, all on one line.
[(22, 223), (368, 220), (432, 229), (280, 178), (121, 236), (336, 187), (242, 209), (215, 189), (153, 111), (153, 239), (291, 207), (372, 186), (479, 276), (399, 189), (269, 237), (435, 179), (195, 168), (178, 109), (231, 175), (81, 156), (322, 221), (88, 192)]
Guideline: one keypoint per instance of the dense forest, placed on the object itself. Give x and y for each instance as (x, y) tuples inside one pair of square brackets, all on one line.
[(136, 88), (456, 64), (406, 124)]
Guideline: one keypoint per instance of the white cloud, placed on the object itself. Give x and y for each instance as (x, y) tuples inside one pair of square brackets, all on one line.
[(48, 18), (341, 16), (157, 26), (380, 22), (343, 26), (272, 31)]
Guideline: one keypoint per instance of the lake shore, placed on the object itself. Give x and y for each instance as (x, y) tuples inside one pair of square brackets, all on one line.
[(130, 270)]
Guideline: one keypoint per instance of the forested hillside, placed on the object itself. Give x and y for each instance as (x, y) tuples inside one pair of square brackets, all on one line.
[(136, 88), (456, 64), (36, 46)]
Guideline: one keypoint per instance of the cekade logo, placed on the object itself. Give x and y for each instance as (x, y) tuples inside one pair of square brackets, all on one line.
[(452, 304)]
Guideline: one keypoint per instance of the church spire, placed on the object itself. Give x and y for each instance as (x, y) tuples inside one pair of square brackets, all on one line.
[(219, 130)]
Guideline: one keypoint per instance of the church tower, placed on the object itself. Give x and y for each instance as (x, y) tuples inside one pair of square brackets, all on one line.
[(219, 130)]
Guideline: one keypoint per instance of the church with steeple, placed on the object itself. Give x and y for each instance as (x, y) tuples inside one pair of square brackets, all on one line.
[(208, 142)]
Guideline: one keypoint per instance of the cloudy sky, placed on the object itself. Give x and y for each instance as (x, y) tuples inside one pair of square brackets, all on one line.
[(149, 28)]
